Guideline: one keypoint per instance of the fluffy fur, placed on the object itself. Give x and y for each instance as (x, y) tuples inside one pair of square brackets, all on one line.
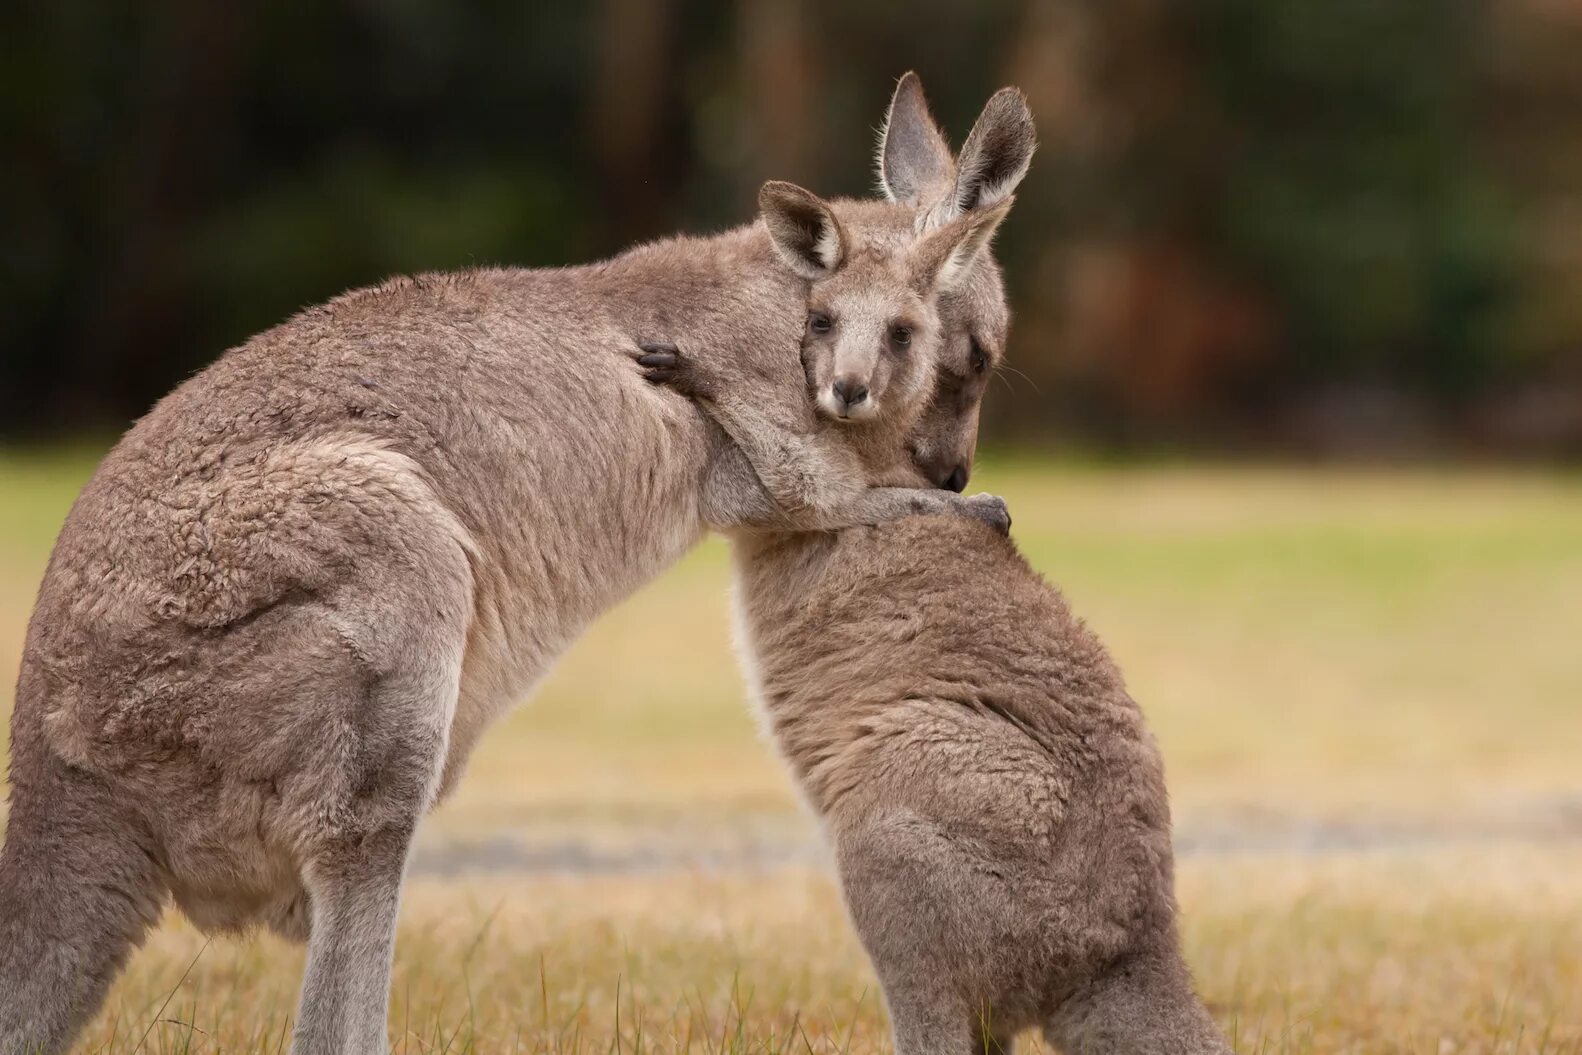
[(994, 800), (292, 597), (995, 803), (873, 322)]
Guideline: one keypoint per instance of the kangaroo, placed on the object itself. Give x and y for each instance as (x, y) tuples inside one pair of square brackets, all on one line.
[(994, 799), (873, 337), (995, 803), (294, 594)]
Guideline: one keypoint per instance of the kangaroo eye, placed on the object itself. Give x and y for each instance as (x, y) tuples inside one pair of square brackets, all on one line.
[(819, 322), (979, 358), (901, 336)]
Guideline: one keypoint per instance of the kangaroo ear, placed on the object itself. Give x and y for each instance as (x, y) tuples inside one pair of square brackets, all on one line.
[(943, 259), (803, 229), (994, 158), (915, 162)]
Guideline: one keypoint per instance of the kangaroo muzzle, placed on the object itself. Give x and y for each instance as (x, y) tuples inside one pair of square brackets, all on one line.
[(847, 398)]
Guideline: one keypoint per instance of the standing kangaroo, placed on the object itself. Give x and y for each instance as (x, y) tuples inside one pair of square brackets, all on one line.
[(995, 801), (291, 598)]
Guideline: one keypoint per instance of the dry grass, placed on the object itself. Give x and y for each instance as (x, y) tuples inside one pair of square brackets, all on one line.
[(1382, 653), (1434, 953)]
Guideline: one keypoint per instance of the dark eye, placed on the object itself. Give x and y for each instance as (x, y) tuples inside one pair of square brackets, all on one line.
[(819, 322), (901, 336), (979, 358)]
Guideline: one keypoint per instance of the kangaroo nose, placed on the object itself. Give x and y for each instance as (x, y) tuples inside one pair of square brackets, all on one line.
[(849, 391), (957, 480)]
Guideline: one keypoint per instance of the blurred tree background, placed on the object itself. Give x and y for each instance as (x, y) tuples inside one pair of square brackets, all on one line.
[(1353, 225)]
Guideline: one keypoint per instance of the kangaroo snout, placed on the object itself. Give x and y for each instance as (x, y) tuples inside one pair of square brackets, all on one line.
[(850, 391), (945, 473), (848, 398)]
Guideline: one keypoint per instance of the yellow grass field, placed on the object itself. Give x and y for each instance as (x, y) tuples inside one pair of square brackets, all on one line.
[(1368, 689)]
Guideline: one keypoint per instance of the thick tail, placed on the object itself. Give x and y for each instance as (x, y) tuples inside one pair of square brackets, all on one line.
[(1142, 1005), (78, 890)]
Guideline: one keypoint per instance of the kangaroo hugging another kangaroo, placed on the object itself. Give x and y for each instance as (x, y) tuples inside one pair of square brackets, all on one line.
[(872, 339), (995, 802), (294, 595)]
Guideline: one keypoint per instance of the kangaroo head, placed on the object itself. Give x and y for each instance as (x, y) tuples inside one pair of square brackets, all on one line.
[(917, 169), (873, 336)]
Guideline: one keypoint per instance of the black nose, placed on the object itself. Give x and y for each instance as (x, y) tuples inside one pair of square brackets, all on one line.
[(957, 480), (850, 392)]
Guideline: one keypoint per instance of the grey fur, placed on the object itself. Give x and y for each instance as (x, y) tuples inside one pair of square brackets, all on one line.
[(915, 163), (995, 802), (293, 596), (857, 470), (915, 167), (993, 160)]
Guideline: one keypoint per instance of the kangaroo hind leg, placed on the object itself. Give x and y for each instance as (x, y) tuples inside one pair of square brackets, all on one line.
[(79, 888), (381, 769), (1142, 1005), (385, 729)]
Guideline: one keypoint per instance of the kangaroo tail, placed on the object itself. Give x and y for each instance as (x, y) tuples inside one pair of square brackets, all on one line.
[(1143, 1004), (78, 890)]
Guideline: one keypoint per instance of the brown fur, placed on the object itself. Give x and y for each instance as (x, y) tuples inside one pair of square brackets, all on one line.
[(292, 597), (874, 324), (995, 802), (915, 169)]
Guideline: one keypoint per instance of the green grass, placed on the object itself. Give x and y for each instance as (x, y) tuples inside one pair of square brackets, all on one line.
[(1368, 652), (1306, 642)]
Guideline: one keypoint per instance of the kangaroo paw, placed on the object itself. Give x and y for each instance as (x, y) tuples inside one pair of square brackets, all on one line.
[(664, 364)]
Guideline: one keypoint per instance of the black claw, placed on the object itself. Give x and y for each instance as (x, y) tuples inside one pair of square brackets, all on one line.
[(657, 359), (658, 346)]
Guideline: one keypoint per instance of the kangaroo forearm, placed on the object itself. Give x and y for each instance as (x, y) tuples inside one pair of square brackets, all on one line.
[(811, 489), (796, 471), (874, 505)]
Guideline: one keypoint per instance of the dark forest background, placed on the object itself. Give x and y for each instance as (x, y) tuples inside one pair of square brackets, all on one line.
[(1348, 225)]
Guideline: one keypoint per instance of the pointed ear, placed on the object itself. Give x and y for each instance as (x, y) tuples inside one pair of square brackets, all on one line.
[(914, 159), (943, 259), (994, 158), (803, 229)]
